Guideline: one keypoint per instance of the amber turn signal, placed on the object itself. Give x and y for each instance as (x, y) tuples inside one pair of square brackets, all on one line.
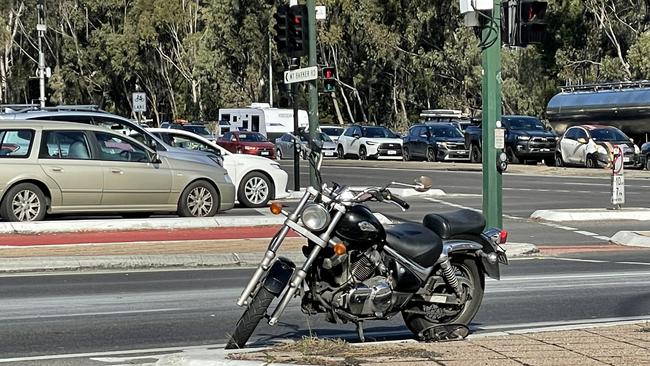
[(340, 249), (276, 208)]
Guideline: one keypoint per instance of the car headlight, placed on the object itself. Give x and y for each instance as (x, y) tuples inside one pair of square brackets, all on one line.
[(250, 148), (216, 159), (442, 144), (276, 166), (523, 138), (371, 143), (315, 217), (226, 177)]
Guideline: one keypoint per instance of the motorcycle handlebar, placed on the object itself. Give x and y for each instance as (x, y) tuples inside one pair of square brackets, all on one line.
[(389, 196)]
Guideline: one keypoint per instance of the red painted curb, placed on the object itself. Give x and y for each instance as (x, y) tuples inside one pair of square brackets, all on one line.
[(224, 233)]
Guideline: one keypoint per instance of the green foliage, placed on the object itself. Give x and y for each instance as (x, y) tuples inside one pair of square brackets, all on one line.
[(393, 58)]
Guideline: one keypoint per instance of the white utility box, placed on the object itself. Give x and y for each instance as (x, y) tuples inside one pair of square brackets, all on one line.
[(467, 6)]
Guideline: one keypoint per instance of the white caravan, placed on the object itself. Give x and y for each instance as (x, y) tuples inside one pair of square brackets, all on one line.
[(260, 117)]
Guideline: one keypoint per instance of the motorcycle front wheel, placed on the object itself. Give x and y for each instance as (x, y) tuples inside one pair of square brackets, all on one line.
[(419, 316), (251, 317)]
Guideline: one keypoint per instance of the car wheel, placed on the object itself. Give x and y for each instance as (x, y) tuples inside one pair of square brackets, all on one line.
[(431, 155), (558, 160), (278, 154), (549, 161), (475, 154), (363, 154), (199, 199), (340, 153), (24, 202), (647, 162), (255, 190), (512, 158), (590, 162), (406, 154)]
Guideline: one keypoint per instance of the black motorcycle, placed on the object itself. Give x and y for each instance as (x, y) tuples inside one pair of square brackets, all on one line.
[(357, 269)]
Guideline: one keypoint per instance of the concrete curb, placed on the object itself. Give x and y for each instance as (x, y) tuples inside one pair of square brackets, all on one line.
[(632, 238), (72, 226), (588, 214), (128, 262)]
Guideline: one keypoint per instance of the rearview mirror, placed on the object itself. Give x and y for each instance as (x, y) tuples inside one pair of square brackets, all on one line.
[(423, 183)]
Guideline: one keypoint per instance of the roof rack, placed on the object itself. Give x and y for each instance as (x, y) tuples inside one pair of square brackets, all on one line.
[(606, 86), (23, 108), (13, 108)]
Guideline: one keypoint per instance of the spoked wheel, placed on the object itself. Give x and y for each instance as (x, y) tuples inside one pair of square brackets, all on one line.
[(558, 160), (363, 154), (255, 190), (647, 162), (340, 153), (475, 154), (420, 316), (199, 199), (251, 317), (591, 162), (406, 154), (431, 155)]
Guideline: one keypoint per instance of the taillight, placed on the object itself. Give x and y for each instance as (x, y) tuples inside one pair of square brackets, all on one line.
[(503, 237)]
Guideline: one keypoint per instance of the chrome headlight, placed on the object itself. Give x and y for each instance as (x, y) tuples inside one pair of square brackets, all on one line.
[(523, 138), (442, 144), (315, 217)]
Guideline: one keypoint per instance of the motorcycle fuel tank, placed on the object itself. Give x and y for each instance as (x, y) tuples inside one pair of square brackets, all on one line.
[(360, 226)]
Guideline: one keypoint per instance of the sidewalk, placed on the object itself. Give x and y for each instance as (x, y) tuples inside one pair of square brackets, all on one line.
[(613, 345)]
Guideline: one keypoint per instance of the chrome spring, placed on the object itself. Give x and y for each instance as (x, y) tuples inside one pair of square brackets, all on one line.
[(450, 276)]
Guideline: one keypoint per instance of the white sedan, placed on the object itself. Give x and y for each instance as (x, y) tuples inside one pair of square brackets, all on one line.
[(257, 180)]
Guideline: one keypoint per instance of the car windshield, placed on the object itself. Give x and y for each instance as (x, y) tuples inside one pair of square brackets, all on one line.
[(445, 131), (332, 131), (324, 137), (199, 130), (526, 124), (378, 132), (608, 134), (252, 137)]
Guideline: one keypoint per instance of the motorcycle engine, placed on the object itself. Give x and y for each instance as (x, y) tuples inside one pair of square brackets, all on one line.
[(371, 293)]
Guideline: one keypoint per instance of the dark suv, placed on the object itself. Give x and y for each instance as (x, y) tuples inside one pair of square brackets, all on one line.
[(527, 140), (437, 141)]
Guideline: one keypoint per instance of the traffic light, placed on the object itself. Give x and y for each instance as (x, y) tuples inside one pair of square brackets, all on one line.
[(531, 22), (298, 31), (329, 81), (282, 29)]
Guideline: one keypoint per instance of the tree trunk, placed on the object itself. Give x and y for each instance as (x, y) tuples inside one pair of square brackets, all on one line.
[(339, 117)]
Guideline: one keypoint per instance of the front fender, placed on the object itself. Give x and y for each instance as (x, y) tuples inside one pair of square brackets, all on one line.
[(279, 275)]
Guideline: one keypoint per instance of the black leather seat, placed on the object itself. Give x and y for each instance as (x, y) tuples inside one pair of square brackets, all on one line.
[(414, 242), (450, 224)]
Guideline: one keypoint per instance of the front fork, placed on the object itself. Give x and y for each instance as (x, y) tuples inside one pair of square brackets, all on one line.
[(298, 276)]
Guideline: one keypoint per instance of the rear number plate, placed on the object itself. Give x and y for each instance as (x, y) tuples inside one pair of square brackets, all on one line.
[(264, 153), (392, 152)]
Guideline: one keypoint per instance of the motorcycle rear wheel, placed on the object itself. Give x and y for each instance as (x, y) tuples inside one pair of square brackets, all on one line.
[(467, 268), (251, 317)]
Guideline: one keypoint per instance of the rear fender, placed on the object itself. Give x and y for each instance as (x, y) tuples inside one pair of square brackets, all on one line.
[(279, 275), (491, 269)]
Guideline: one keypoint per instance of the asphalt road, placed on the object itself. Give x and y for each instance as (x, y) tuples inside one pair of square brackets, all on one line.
[(73, 319)]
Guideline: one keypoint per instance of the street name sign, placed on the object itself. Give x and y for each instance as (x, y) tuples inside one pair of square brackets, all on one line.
[(304, 74)]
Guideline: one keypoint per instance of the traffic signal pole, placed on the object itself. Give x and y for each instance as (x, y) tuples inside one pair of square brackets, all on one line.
[(491, 95), (313, 85)]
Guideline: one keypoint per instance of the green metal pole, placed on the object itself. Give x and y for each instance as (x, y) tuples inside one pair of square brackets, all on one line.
[(491, 95), (313, 85)]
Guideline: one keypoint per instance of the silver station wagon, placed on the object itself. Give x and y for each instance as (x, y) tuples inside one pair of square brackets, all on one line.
[(62, 167)]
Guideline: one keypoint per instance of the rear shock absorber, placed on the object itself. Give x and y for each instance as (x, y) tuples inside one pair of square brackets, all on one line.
[(450, 276)]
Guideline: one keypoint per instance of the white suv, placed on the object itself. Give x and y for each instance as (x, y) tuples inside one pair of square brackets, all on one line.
[(369, 142)]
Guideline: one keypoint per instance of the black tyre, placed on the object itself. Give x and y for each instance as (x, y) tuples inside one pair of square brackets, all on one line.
[(340, 153), (251, 317), (406, 154), (475, 154), (24, 202), (590, 162), (431, 155), (558, 160), (467, 268), (363, 153), (647, 162), (255, 190), (512, 157), (199, 199)]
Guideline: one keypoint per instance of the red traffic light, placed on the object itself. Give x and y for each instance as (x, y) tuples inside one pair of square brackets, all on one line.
[(328, 73)]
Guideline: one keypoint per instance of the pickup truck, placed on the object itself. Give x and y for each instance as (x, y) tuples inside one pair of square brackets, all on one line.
[(527, 140)]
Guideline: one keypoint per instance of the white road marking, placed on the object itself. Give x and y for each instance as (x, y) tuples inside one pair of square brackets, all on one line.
[(587, 233), (567, 323), (601, 237), (635, 263), (109, 353), (74, 315), (581, 260)]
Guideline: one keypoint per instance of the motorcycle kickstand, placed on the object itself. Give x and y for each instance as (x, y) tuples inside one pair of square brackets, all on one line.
[(362, 338)]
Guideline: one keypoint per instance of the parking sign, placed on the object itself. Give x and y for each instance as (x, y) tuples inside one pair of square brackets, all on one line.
[(139, 102)]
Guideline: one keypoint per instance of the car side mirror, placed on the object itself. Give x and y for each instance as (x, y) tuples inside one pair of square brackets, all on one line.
[(233, 139), (155, 159), (152, 145), (423, 183), (356, 136), (631, 140), (582, 140)]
